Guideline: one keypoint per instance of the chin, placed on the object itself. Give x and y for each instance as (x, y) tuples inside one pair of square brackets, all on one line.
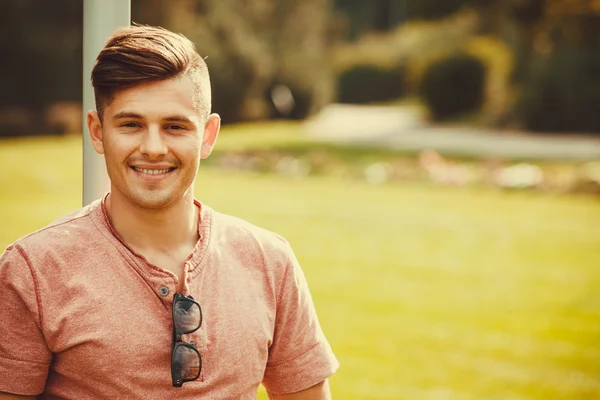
[(153, 200)]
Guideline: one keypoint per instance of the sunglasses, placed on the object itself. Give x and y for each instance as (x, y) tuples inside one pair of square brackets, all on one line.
[(186, 362)]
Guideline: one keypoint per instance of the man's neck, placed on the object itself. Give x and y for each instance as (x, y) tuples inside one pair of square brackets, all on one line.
[(161, 230)]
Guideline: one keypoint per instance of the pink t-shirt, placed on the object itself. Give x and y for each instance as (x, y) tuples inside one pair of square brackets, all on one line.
[(84, 316)]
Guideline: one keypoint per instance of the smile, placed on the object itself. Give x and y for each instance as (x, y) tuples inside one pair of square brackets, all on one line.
[(153, 171)]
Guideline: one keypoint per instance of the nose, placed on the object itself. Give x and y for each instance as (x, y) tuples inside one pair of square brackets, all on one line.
[(153, 144)]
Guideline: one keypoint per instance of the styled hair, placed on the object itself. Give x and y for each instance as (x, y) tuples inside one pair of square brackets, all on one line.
[(142, 54)]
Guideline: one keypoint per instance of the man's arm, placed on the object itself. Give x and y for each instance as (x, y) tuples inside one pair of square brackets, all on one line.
[(9, 396), (24, 354), (320, 391)]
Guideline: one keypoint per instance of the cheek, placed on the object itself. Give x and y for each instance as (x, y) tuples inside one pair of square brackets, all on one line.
[(187, 151), (118, 150), (197, 152), (108, 148), (110, 155)]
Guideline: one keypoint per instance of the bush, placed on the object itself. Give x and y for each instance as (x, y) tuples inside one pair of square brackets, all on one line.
[(366, 84), (499, 63), (453, 85), (414, 44), (563, 95)]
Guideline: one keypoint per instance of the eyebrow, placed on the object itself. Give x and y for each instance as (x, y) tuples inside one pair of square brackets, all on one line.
[(172, 118), (179, 118), (126, 114)]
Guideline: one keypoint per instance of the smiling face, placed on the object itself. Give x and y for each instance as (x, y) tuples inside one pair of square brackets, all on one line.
[(153, 137)]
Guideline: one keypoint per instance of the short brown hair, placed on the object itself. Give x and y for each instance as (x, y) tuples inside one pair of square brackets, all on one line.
[(142, 54)]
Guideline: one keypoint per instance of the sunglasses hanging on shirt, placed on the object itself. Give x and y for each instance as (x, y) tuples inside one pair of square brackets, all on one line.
[(186, 362)]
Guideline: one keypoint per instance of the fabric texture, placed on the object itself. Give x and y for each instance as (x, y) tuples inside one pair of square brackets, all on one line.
[(84, 316)]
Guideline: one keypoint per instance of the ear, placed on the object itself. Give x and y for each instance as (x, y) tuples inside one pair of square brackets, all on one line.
[(95, 129), (211, 132)]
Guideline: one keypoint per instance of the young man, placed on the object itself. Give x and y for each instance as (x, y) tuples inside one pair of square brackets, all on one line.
[(147, 293)]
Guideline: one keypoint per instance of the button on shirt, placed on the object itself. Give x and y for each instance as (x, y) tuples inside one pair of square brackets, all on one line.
[(84, 316)]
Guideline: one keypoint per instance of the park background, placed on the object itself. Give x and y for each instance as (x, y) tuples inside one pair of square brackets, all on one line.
[(434, 163)]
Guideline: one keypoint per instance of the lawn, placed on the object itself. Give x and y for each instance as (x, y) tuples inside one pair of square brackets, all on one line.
[(424, 292)]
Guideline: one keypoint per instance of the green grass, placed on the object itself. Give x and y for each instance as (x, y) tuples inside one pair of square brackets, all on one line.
[(424, 292)]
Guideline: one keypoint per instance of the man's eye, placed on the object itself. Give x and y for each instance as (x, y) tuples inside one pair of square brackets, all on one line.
[(175, 127), (130, 125)]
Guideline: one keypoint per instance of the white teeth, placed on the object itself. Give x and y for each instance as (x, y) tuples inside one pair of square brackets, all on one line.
[(151, 171)]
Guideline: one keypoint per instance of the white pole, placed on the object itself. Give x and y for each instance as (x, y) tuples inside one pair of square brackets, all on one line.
[(100, 19)]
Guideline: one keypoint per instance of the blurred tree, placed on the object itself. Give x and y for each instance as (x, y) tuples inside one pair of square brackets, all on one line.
[(40, 41), (554, 45), (252, 47), (564, 94), (41, 60), (435, 9), (150, 12), (359, 15), (558, 72), (385, 15), (300, 55), (546, 24), (234, 38)]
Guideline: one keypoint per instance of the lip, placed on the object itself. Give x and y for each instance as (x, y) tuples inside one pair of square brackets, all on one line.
[(154, 177), (152, 166)]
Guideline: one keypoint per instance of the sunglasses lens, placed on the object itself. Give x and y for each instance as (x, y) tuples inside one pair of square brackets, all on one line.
[(186, 316), (187, 361)]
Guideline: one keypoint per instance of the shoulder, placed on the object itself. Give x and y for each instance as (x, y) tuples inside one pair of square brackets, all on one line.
[(241, 231), (249, 243), (63, 232)]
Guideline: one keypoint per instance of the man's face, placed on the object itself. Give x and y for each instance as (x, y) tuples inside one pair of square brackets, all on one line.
[(153, 138)]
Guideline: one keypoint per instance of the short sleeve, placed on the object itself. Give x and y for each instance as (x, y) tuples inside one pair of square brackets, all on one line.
[(300, 356), (24, 355)]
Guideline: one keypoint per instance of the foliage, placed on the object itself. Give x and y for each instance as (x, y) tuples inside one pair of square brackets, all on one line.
[(453, 86), (564, 93), (251, 47), (301, 46), (559, 65), (364, 84), (435, 9), (365, 17), (254, 47), (517, 34), (34, 68), (393, 63), (418, 44), (41, 61), (498, 58), (414, 42)]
